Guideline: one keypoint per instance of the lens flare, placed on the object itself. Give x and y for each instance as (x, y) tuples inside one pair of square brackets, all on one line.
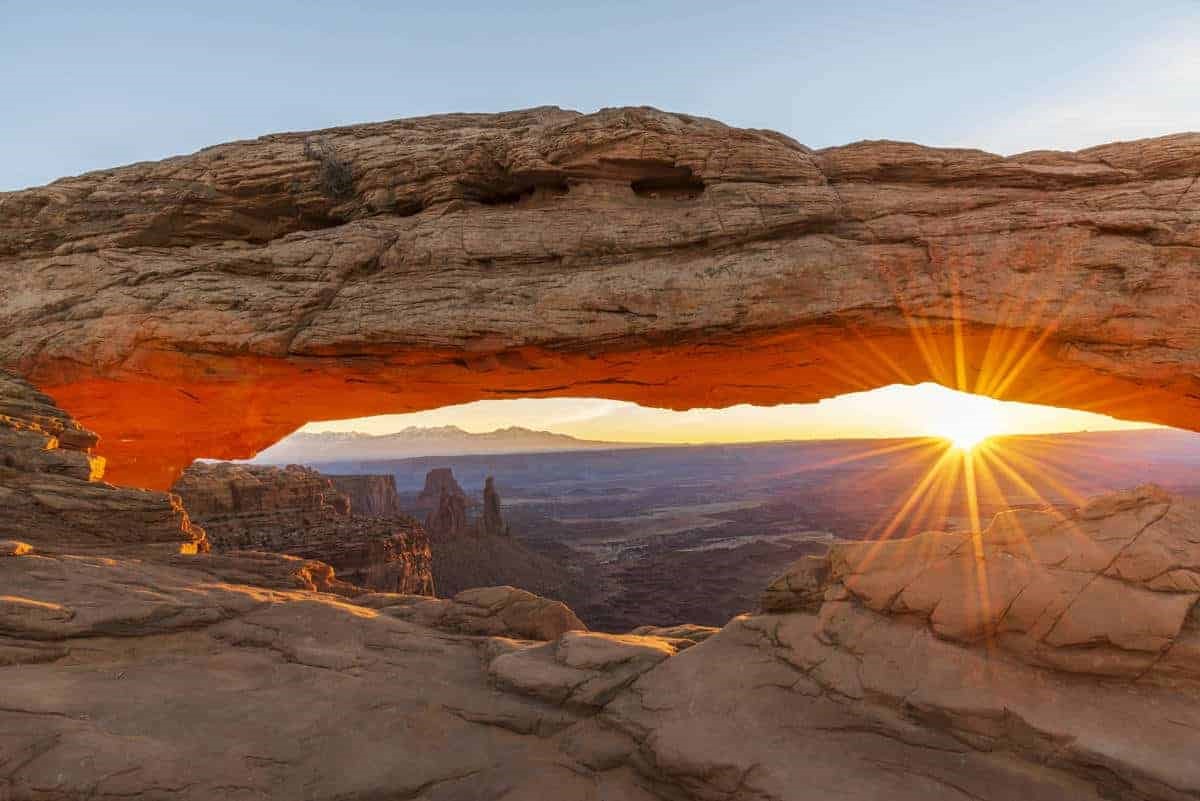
[(966, 437)]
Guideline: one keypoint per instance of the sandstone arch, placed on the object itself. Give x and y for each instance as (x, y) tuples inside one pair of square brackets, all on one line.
[(207, 305)]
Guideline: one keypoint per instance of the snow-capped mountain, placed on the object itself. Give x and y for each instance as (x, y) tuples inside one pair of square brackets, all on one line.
[(304, 447)]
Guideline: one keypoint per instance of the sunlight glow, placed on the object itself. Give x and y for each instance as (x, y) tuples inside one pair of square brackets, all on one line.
[(899, 410), (968, 420), (966, 440)]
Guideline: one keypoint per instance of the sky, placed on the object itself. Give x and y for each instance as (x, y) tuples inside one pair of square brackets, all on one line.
[(93, 85)]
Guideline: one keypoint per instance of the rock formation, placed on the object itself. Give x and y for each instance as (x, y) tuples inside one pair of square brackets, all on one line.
[(496, 611), (1049, 656), (473, 549), (448, 519), (209, 304), (438, 482), (491, 521), (51, 495), (1109, 590), (298, 512), (621, 254), (371, 495)]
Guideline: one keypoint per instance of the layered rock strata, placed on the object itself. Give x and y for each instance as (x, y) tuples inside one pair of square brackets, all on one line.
[(52, 495), (623, 254), (298, 511), (370, 495)]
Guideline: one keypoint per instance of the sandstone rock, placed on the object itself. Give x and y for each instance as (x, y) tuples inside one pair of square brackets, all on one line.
[(652, 244), (493, 611), (1087, 592), (50, 491), (438, 482), (683, 634), (213, 676), (297, 511), (801, 587), (370, 495), (580, 669), (491, 521), (447, 520)]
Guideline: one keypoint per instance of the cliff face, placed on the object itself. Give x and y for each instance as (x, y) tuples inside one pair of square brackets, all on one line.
[(299, 512), (438, 482), (370, 495), (622, 254), (51, 493)]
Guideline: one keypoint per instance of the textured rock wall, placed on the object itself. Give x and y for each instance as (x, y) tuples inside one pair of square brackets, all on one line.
[(209, 304), (297, 511), (51, 495), (371, 495)]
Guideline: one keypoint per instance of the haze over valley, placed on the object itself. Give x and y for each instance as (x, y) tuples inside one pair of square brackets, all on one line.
[(652, 533)]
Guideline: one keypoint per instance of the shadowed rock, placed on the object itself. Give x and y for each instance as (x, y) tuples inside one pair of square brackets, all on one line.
[(491, 521), (370, 495)]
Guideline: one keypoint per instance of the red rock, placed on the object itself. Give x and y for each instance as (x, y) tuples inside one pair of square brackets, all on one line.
[(298, 512), (51, 496), (370, 495)]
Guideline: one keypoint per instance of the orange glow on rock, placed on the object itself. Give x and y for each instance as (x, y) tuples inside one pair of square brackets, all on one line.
[(159, 414)]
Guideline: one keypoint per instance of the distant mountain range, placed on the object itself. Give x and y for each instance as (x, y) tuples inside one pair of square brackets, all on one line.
[(1160, 445), (303, 447)]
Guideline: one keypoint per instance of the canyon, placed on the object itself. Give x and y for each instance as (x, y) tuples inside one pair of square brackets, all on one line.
[(207, 305)]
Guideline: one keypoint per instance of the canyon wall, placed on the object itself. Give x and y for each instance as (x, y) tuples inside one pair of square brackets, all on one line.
[(298, 511), (209, 304), (371, 495)]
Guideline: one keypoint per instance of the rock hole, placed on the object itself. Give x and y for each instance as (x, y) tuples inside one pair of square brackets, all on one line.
[(521, 189), (677, 183)]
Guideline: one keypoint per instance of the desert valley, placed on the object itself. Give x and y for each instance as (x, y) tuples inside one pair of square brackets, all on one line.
[(664, 535)]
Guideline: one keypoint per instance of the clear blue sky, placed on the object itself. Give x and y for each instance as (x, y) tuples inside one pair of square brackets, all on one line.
[(90, 85)]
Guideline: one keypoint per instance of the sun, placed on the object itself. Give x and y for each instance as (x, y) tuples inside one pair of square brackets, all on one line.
[(965, 421), (966, 439)]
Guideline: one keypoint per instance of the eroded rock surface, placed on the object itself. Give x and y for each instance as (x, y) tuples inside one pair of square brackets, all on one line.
[(51, 495), (1049, 656), (497, 611), (238, 293), (491, 519), (371, 495), (299, 512)]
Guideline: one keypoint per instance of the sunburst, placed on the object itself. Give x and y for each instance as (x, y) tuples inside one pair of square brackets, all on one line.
[(968, 465)]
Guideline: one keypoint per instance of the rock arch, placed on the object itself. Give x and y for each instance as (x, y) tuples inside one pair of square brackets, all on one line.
[(207, 305)]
